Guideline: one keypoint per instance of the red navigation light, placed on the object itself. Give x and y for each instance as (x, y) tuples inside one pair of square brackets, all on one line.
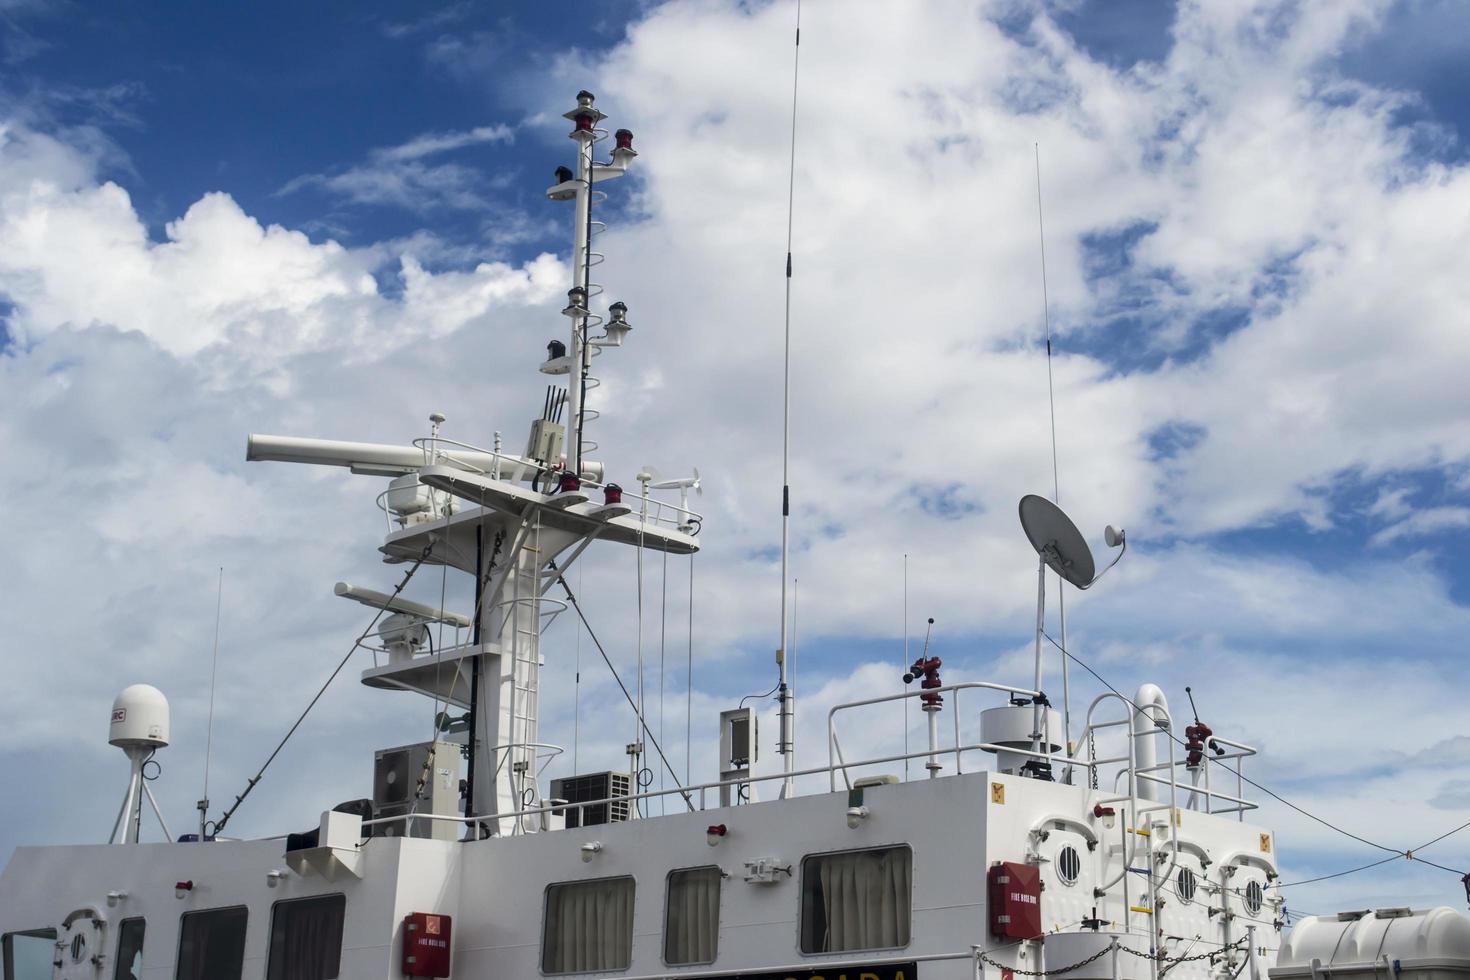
[(612, 493), (583, 121), (624, 139), (569, 482)]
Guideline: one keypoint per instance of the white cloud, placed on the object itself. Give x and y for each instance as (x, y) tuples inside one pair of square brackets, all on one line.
[(398, 175)]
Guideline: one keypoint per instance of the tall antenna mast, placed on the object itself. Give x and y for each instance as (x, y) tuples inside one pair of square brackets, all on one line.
[(786, 740), (219, 598), (1056, 496)]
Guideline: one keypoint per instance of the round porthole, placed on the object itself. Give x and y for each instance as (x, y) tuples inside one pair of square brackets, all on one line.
[(1069, 865), (1254, 898), (1186, 884)]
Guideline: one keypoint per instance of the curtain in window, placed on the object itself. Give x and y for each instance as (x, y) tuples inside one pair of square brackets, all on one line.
[(212, 944), (867, 898), (589, 926), (129, 950), (306, 939), (692, 918)]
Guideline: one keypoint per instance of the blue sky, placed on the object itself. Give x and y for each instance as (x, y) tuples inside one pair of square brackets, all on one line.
[(216, 220)]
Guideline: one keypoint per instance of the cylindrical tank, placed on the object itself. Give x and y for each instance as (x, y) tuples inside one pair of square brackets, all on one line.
[(1010, 727), (139, 718), (1409, 944)]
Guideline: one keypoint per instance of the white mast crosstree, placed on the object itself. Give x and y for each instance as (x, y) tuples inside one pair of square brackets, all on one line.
[(516, 522)]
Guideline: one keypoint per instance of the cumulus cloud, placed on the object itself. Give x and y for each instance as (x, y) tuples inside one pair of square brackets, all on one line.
[(1243, 173)]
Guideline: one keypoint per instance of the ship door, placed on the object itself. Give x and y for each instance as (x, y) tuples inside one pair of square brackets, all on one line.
[(81, 946), (1069, 873)]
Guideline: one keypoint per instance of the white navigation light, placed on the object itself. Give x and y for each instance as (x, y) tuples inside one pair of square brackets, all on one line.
[(139, 718)]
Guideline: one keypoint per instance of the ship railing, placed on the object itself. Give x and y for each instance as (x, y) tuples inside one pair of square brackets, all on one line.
[(696, 797), (660, 513), (836, 763)]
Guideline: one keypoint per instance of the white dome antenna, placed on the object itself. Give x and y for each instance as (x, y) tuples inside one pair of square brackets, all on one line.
[(140, 727)]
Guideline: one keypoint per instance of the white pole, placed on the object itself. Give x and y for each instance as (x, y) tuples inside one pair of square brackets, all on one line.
[(932, 710), (1040, 630), (583, 210)]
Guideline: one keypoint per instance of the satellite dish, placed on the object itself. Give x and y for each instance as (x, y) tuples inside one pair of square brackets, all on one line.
[(1057, 540)]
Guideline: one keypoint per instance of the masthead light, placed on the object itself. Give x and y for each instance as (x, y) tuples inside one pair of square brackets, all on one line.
[(576, 301)]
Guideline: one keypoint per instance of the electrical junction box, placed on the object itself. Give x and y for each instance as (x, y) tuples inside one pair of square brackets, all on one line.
[(1015, 900), (426, 945), (546, 441)]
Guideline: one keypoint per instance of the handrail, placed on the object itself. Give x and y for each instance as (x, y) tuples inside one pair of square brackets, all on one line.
[(681, 516), (833, 767), (701, 788)]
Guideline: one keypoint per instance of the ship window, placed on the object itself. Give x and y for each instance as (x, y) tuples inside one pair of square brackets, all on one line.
[(854, 900), (1254, 898), (1069, 865), (1186, 886), (692, 916), (306, 938), (129, 950), (29, 955), (588, 926), (212, 944)]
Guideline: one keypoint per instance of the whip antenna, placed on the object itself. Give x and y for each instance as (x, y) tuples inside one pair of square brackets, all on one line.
[(1056, 483), (786, 697), (219, 597)]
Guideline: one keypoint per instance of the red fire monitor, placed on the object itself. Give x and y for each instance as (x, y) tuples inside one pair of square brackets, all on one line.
[(1015, 901), (426, 945)]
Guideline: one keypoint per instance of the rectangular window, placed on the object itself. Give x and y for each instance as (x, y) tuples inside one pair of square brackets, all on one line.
[(692, 916), (588, 926), (129, 950), (212, 944), (856, 900), (28, 955), (306, 938)]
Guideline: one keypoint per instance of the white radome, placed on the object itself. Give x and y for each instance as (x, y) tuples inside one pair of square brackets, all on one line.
[(139, 718)]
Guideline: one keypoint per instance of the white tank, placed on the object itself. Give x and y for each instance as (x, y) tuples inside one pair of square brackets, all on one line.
[(139, 718), (1010, 726), (1417, 944)]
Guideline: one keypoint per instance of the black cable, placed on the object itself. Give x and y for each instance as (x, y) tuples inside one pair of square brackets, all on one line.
[(219, 824), (561, 580), (1351, 871), (749, 697), (1275, 796)]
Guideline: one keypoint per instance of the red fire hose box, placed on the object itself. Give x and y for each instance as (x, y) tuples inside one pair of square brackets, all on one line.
[(1015, 900), (426, 945)]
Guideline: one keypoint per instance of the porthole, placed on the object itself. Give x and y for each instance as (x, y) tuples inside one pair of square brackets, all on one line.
[(1254, 898), (1069, 865), (1186, 884)]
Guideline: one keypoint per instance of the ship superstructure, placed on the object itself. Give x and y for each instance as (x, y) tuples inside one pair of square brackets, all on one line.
[(1113, 844)]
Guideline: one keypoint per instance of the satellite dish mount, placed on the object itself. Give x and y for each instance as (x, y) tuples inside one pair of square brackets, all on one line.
[(1063, 549)]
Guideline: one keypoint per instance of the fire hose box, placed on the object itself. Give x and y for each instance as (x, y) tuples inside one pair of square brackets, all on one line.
[(1015, 900), (426, 945)]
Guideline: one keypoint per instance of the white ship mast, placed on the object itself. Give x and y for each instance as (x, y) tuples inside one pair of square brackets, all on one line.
[(515, 522)]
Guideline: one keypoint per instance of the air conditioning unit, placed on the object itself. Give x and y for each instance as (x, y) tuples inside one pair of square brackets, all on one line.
[(396, 773), (594, 786)]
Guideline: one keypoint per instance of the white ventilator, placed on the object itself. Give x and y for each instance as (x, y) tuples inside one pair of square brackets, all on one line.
[(140, 728)]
